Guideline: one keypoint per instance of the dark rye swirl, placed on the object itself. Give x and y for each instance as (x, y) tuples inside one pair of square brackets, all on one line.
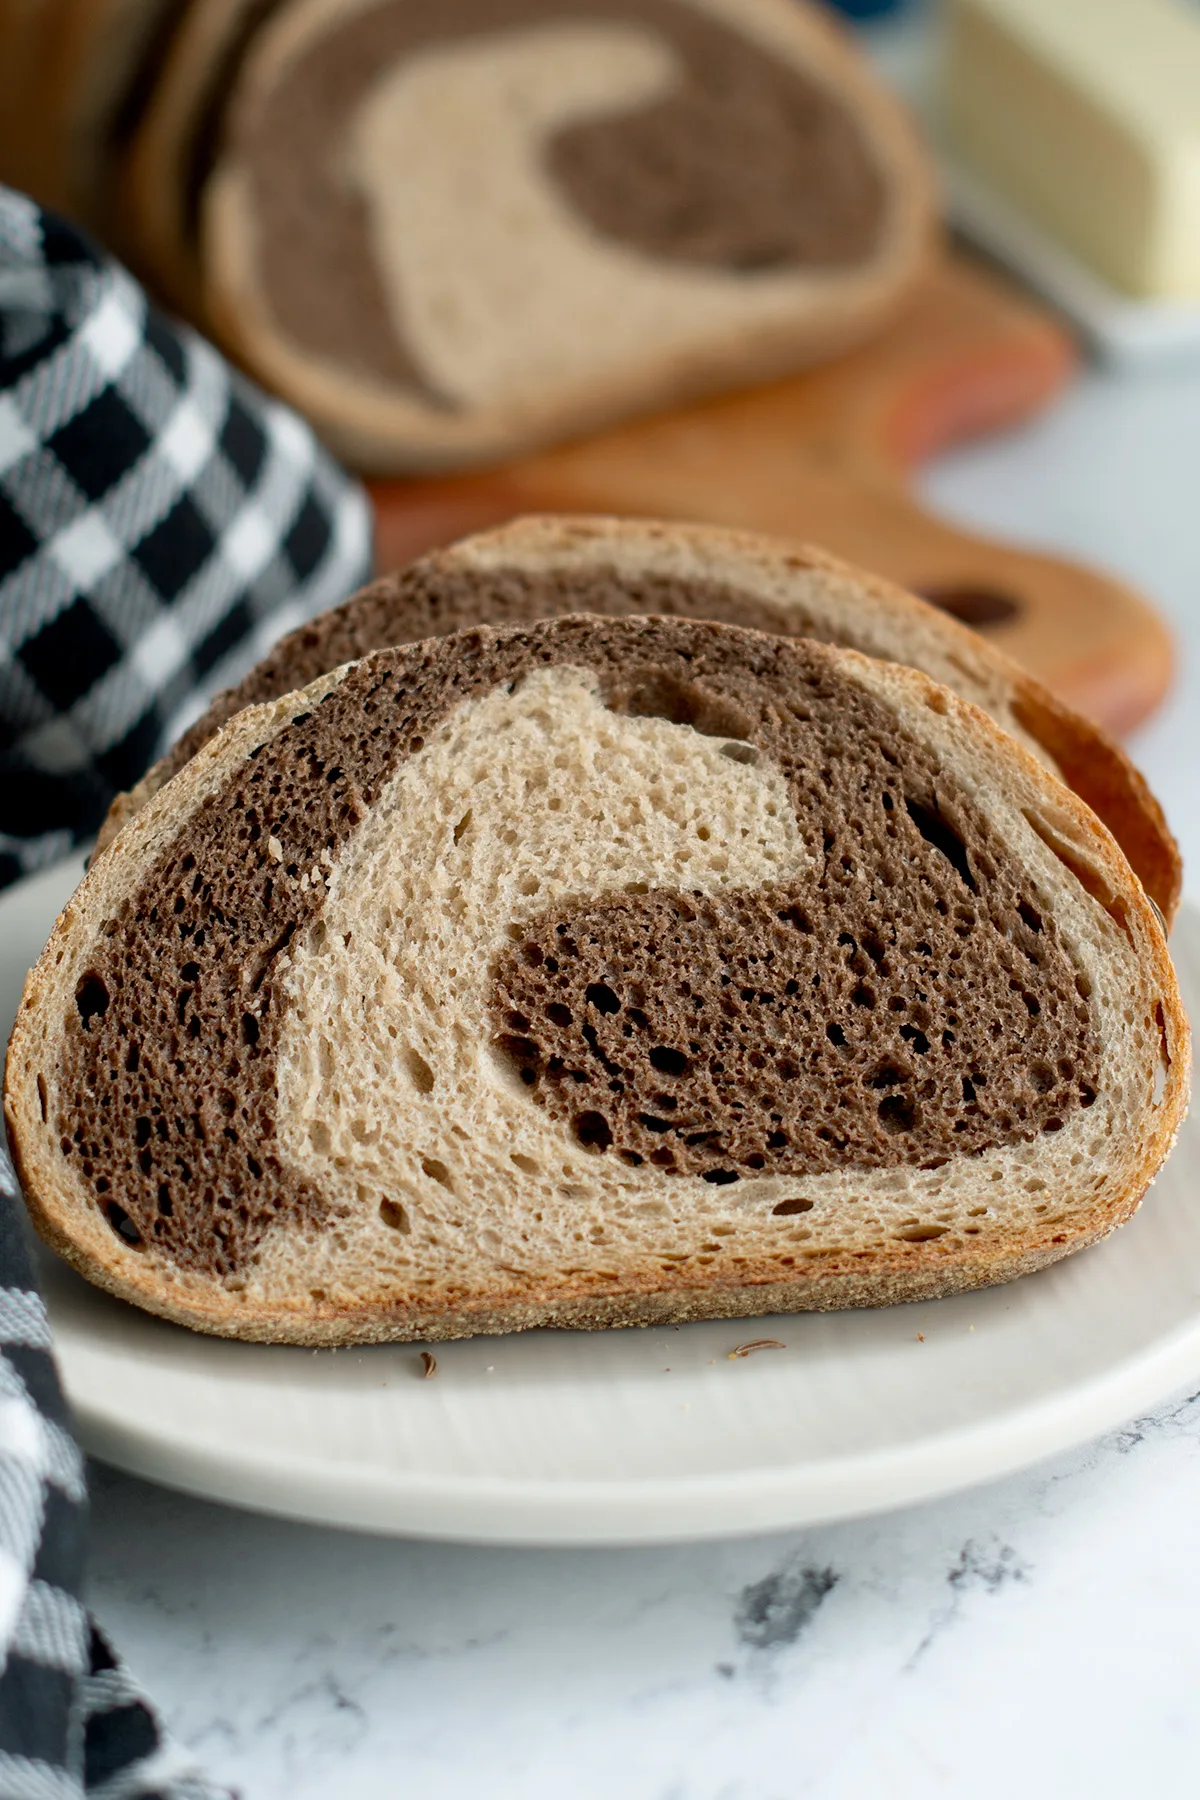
[(591, 972), (451, 229)]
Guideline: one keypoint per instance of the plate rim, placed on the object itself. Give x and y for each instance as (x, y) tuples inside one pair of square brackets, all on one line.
[(658, 1510)]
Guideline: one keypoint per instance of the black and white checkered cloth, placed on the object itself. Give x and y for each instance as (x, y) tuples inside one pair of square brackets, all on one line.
[(162, 522), (72, 1721)]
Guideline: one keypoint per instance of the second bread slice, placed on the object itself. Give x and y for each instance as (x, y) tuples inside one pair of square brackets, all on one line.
[(539, 567)]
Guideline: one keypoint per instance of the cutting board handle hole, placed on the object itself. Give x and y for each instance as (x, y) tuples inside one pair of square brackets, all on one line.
[(977, 606)]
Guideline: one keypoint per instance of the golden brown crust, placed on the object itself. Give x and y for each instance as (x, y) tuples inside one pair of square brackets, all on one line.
[(1116, 790), (645, 1301)]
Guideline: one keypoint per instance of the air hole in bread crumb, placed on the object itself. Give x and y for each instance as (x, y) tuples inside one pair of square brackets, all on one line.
[(437, 1171), (938, 832), (888, 1074), (91, 998), (395, 1216), (897, 1114), (419, 1071), (43, 1102), (593, 1131), (787, 1208), (921, 1234), (463, 826), (528, 1164), (668, 1061), (123, 1226), (1163, 1065)]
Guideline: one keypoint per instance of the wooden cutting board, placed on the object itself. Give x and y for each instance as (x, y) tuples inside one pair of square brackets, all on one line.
[(828, 457)]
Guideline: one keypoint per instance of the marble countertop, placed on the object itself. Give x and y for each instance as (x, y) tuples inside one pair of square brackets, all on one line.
[(1038, 1637)]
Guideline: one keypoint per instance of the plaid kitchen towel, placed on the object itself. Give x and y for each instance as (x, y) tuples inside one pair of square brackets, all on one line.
[(162, 522), (72, 1722)]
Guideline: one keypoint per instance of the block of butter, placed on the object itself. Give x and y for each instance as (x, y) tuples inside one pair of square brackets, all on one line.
[(1085, 114)]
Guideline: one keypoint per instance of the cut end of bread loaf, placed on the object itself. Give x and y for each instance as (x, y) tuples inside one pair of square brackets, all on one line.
[(538, 568), (594, 971), (449, 230)]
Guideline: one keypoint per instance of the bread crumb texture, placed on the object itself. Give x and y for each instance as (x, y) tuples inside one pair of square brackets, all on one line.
[(528, 969)]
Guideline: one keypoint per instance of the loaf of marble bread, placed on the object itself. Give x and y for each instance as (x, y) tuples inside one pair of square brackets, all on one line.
[(537, 568), (448, 230), (165, 159), (71, 73), (593, 972)]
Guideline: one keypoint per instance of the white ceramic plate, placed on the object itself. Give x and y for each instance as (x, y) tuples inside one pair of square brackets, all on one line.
[(642, 1436)]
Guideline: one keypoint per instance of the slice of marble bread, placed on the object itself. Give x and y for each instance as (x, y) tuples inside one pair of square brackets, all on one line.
[(593, 972), (538, 567), (449, 230)]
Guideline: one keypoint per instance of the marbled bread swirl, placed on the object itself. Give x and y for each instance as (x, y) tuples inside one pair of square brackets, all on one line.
[(594, 972), (449, 230), (538, 567)]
